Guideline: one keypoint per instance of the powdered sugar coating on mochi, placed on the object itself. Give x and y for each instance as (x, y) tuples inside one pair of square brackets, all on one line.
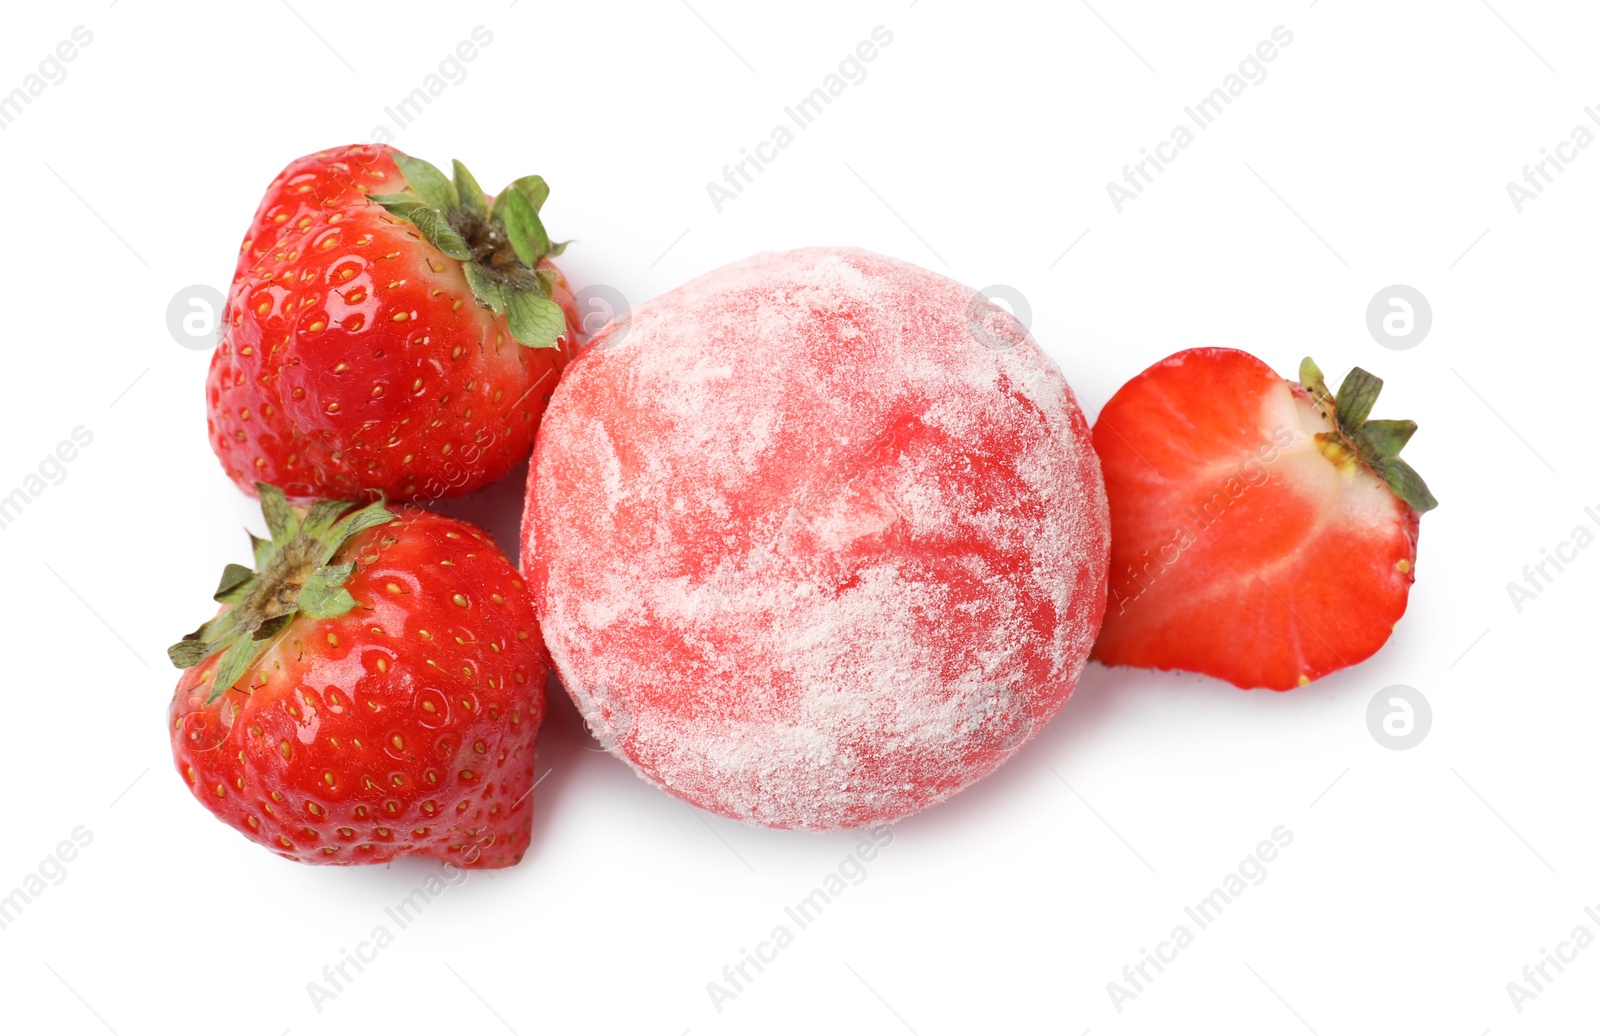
[(809, 553)]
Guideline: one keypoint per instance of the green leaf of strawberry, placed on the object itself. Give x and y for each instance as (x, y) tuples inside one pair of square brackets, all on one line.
[(1311, 381), (533, 188), (1406, 483), (521, 220), (486, 290), (432, 186), (1387, 438), (231, 589), (440, 234), (1357, 393), (324, 595), (468, 194), (534, 318)]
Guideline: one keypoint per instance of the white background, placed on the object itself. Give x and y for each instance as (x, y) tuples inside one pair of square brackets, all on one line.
[(1377, 151)]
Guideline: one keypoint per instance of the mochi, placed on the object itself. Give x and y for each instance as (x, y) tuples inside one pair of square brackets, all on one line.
[(817, 539)]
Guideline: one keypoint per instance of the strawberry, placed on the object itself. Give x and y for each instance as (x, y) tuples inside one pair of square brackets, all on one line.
[(388, 332), (371, 691), (1262, 531)]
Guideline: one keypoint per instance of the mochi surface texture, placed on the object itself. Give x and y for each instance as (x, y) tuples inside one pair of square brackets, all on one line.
[(817, 539)]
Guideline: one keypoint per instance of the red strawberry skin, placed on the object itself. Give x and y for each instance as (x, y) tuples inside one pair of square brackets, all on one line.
[(1239, 548), (356, 361), (404, 727)]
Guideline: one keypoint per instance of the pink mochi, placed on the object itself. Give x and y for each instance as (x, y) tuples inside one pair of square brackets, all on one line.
[(817, 539)]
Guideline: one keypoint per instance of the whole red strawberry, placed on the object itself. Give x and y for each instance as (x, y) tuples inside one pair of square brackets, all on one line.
[(1262, 531), (388, 332), (372, 690)]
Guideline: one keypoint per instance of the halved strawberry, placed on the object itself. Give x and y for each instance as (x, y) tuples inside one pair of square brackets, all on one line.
[(1262, 531)]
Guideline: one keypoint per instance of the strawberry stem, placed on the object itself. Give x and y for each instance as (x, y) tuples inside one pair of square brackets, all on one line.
[(501, 244), (1376, 444), (293, 577)]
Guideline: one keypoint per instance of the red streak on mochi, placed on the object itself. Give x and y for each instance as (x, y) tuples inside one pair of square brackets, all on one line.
[(808, 550)]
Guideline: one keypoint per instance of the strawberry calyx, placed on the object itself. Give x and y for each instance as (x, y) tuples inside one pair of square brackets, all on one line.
[(293, 577), (1375, 444), (500, 244)]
